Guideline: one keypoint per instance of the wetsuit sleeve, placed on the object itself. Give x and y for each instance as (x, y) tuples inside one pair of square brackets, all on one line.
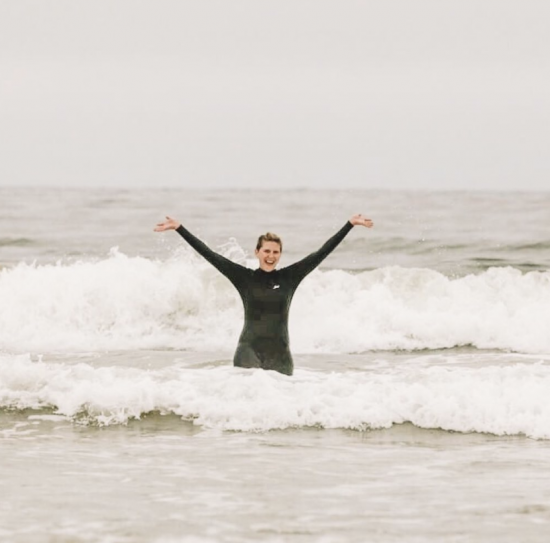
[(234, 272), (300, 269)]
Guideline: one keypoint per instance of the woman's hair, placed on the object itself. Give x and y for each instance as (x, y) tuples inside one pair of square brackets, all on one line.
[(269, 236)]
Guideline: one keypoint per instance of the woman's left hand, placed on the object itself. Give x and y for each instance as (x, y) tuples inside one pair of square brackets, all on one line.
[(168, 224), (359, 220)]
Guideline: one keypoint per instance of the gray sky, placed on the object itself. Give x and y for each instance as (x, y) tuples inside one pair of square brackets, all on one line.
[(288, 93)]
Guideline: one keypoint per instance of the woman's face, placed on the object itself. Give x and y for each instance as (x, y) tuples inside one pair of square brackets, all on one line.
[(268, 255)]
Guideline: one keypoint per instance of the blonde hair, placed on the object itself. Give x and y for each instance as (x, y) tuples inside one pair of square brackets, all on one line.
[(269, 236)]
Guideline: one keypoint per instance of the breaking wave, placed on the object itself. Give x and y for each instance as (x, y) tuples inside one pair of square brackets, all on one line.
[(123, 302), (502, 400)]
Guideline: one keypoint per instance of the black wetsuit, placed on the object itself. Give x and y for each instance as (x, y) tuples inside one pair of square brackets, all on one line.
[(266, 298)]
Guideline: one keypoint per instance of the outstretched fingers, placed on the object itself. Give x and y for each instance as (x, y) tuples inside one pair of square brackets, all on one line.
[(359, 220), (168, 224)]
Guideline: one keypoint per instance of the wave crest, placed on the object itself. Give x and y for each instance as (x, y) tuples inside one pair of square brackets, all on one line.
[(502, 400), (126, 302)]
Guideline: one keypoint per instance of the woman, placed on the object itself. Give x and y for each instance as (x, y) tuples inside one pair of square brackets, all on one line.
[(266, 293)]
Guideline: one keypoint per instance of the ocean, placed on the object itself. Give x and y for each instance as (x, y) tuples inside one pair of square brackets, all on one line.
[(419, 411)]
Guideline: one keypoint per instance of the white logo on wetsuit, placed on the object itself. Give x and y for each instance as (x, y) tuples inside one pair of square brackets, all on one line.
[(275, 286)]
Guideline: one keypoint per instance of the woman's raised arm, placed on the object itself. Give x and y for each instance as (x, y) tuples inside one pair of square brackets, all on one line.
[(299, 270), (233, 271)]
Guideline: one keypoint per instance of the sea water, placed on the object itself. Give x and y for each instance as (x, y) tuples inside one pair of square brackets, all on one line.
[(419, 410)]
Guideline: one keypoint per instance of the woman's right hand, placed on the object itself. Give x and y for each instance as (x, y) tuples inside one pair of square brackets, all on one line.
[(168, 224), (359, 220)]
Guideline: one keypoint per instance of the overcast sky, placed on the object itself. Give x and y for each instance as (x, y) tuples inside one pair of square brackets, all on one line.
[(287, 93)]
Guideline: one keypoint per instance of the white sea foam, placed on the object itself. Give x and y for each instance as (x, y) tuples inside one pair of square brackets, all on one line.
[(502, 400), (124, 302)]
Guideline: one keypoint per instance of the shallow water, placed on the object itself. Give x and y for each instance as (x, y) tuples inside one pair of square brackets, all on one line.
[(160, 479)]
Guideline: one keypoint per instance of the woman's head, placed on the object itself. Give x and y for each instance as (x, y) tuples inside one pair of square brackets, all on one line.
[(268, 251), (269, 236)]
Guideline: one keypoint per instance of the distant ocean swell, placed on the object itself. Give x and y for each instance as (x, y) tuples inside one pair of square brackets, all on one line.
[(122, 302), (502, 400), (16, 242)]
